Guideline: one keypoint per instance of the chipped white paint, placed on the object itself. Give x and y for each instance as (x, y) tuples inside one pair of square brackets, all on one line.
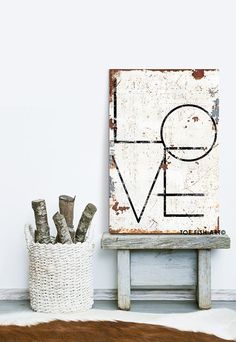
[(149, 161)]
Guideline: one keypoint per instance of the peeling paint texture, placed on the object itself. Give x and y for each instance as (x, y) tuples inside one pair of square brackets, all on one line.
[(215, 110), (111, 185), (163, 127)]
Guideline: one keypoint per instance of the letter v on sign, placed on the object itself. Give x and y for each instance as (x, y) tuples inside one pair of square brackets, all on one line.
[(140, 175)]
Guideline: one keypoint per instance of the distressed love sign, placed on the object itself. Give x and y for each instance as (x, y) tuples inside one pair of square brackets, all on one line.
[(164, 150)]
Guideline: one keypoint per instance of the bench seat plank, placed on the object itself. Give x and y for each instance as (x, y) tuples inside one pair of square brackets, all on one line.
[(153, 241)]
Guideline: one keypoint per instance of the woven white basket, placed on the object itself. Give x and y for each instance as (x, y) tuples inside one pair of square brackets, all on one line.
[(60, 275)]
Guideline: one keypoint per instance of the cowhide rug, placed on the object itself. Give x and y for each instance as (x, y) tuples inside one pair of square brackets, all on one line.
[(103, 331), (107, 326)]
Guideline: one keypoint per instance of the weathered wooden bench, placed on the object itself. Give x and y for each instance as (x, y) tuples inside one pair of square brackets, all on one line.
[(164, 261)]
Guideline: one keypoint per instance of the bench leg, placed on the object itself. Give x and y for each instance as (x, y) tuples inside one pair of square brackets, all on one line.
[(204, 279), (123, 260)]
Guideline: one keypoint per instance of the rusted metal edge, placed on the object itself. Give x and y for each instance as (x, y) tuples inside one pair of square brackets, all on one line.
[(162, 70), (145, 231), (142, 231)]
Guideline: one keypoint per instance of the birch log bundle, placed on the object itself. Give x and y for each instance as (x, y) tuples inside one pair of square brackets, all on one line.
[(63, 221)]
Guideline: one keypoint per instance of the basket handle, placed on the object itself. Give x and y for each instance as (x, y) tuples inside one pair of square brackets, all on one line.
[(29, 235)]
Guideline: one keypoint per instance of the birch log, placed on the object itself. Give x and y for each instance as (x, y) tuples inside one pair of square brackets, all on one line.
[(66, 205), (42, 233), (84, 222), (63, 234)]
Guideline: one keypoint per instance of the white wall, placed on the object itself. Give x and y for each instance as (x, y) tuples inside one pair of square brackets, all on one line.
[(54, 61)]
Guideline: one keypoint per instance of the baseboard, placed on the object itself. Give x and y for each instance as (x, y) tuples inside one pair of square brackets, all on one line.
[(111, 294)]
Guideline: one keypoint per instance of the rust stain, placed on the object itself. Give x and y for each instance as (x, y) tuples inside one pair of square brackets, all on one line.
[(195, 118), (119, 209), (112, 164), (112, 124), (113, 74), (198, 74), (164, 166)]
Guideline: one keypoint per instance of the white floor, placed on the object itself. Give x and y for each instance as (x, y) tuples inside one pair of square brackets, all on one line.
[(7, 306), (220, 320)]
